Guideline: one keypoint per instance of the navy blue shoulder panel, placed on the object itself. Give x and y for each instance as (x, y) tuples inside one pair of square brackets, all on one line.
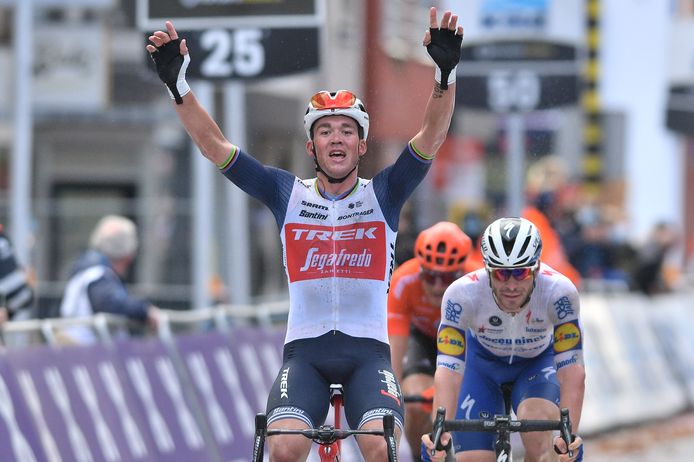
[(270, 185), (394, 184)]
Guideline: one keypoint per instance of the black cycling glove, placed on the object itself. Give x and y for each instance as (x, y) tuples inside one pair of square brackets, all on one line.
[(171, 66), (444, 49)]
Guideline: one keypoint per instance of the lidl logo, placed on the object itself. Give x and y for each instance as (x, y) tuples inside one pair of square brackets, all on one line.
[(566, 337), (451, 342)]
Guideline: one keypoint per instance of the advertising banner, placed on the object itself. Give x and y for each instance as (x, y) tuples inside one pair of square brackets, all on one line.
[(19, 439), (80, 404), (231, 376), (171, 412)]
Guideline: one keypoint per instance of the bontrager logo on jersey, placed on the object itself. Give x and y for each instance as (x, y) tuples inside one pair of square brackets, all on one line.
[(348, 251)]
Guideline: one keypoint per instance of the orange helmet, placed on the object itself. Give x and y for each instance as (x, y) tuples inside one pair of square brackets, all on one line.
[(443, 247)]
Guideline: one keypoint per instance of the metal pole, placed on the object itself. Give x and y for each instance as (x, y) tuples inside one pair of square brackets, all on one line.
[(238, 240), (515, 191), (203, 206), (20, 184)]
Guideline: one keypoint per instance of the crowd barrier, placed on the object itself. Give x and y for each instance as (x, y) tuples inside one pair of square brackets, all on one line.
[(639, 355), (184, 396), (137, 400)]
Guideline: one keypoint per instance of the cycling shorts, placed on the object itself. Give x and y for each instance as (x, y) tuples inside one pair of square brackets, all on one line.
[(481, 396), (421, 354), (310, 366)]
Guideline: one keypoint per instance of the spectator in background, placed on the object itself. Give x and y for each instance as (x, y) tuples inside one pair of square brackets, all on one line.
[(652, 274), (546, 180), (553, 252), (597, 250), (16, 295), (96, 284), (407, 235), (473, 225)]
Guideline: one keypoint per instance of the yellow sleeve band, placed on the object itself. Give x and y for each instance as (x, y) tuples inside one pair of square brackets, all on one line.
[(224, 165), (420, 153)]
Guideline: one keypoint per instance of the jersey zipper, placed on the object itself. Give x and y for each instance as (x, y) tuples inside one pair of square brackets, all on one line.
[(513, 337)]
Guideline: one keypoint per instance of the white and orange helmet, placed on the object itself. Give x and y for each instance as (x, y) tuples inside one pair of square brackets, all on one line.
[(341, 102)]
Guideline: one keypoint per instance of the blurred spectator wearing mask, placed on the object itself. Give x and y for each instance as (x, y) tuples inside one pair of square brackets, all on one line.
[(16, 294), (96, 284), (473, 224), (553, 252), (545, 179), (600, 251), (654, 271)]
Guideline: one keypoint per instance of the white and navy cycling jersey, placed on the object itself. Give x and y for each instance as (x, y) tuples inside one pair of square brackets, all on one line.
[(550, 319), (338, 254), (15, 292)]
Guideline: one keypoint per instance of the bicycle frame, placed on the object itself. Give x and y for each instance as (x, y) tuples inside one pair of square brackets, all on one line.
[(328, 437), (332, 452)]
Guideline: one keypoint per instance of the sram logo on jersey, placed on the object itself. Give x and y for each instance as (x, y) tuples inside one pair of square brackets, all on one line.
[(349, 251)]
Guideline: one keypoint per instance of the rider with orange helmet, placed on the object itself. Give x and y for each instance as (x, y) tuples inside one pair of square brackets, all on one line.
[(414, 311)]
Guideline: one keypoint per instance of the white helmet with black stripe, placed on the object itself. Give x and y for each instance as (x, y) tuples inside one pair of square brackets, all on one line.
[(511, 242)]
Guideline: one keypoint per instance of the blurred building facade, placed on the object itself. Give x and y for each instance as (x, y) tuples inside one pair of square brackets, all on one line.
[(106, 140)]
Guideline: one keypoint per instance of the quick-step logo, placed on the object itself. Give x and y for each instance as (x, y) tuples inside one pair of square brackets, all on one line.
[(355, 251)]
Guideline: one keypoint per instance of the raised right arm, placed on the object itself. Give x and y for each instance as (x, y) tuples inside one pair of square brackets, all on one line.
[(204, 131), (171, 65)]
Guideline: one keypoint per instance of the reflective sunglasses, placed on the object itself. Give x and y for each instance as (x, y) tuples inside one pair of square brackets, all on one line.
[(341, 99), (519, 274), (446, 278)]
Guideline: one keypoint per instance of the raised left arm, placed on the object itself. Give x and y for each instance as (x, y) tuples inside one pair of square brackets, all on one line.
[(443, 42)]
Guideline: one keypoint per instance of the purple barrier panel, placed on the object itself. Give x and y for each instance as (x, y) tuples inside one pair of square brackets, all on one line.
[(169, 412), (19, 440), (81, 404), (232, 376)]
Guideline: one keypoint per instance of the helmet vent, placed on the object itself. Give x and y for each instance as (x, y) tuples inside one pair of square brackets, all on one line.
[(493, 247), (526, 243)]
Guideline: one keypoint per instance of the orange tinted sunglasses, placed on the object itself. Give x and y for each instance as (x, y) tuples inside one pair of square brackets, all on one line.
[(341, 99), (519, 274)]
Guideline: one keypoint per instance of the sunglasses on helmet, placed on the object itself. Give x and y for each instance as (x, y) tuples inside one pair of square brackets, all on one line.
[(519, 274), (446, 278), (341, 99)]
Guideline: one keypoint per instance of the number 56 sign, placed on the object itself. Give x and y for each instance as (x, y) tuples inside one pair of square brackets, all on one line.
[(518, 75)]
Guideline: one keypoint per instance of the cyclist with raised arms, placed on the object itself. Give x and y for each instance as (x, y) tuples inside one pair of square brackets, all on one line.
[(338, 235), (525, 331), (414, 312)]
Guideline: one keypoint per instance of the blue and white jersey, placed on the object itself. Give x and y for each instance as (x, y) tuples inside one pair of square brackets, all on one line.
[(338, 254), (550, 318)]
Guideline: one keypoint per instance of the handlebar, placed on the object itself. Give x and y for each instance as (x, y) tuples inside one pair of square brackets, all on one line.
[(438, 428), (500, 422), (565, 429), (417, 399), (324, 435)]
